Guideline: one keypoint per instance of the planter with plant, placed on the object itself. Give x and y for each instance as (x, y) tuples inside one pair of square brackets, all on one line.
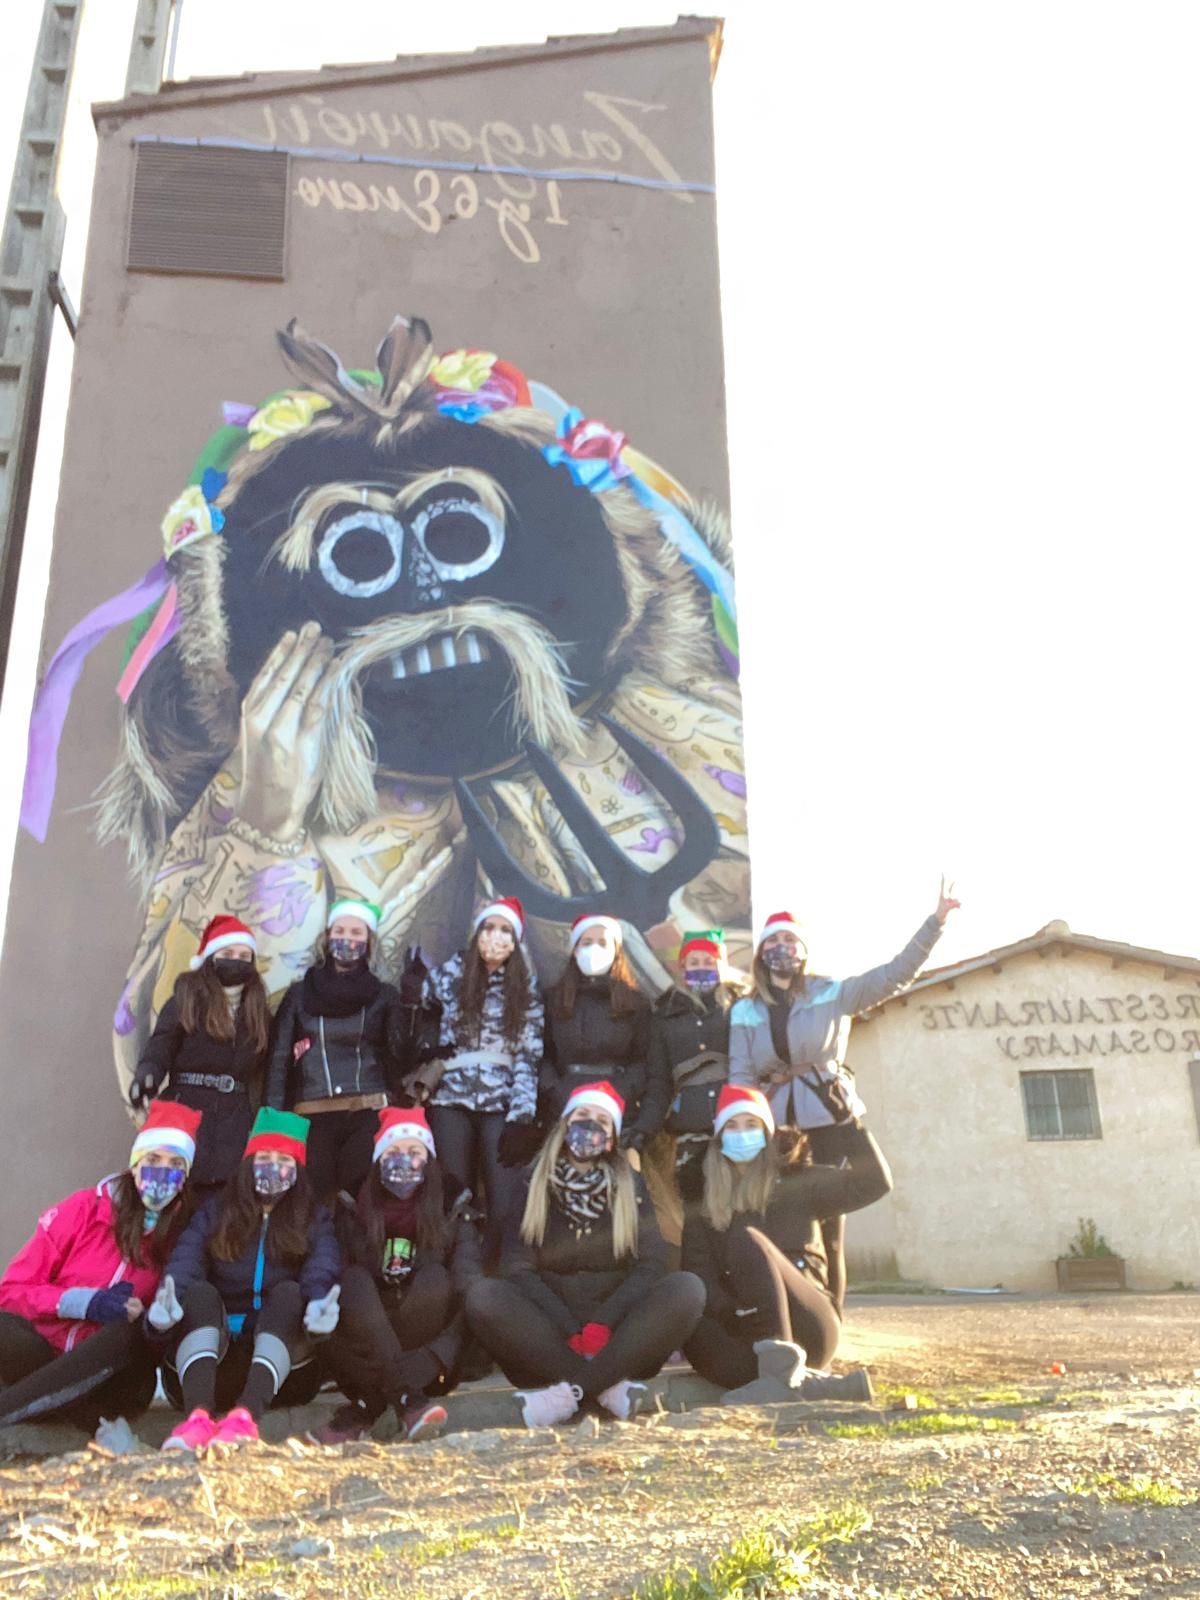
[(1090, 1261)]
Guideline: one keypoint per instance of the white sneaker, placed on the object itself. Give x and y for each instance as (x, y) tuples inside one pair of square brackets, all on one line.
[(624, 1399), (542, 1408)]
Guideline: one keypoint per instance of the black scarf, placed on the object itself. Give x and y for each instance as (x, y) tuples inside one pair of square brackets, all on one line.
[(580, 1193), (330, 993)]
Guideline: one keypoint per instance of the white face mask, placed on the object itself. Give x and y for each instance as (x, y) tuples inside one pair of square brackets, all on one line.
[(593, 960)]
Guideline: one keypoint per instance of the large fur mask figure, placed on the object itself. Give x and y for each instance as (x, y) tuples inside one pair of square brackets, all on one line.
[(426, 633)]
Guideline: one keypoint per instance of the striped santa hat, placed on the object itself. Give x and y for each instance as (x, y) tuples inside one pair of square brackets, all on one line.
[(735, 1098), (402, 1122), (600, 1097), (581, 925), (219, 935), (168, 1126), (508, 907), (783, 922)]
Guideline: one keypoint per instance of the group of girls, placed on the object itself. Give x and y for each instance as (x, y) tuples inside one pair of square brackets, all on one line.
[(302, 1200)]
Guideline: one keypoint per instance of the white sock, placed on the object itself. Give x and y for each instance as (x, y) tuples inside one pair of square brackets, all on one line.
[(619, 1397), (542, 1408)]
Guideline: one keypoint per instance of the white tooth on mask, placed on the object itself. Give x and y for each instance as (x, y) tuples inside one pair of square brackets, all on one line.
[(424, 661), (474, 653)]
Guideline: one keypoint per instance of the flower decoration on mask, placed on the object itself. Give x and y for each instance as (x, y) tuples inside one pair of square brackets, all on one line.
[(283, 414), (474, 383), (590, 450)]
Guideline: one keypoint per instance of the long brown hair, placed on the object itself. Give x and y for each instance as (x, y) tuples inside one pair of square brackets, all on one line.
[(620, 1194), (764, 987), (472, 987), (374, 1199), (204, 1008), (624, 996), (732, 1186), (240, 1217), (139, 1248)]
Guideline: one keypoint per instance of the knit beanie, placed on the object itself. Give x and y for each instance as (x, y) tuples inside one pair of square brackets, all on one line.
[(734, 1099), (581, 925), (279, 1130), (508, 907), (402, 1122), (219, 935), (365, 910), (600, 1097), (168, 1126)]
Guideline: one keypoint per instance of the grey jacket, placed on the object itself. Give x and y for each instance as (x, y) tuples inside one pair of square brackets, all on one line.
[(818, 1028)]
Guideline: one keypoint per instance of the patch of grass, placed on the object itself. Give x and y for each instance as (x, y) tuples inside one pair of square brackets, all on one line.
[(926, 1422), (891, 1394), (214, 1581), (762, 1565), (427, 1550), (922, 1482), (1140, 1490)]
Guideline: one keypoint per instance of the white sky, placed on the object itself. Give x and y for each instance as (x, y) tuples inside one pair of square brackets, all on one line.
[(960, 253)]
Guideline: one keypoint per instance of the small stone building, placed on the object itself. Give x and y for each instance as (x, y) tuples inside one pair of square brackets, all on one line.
[(1015, 1093)]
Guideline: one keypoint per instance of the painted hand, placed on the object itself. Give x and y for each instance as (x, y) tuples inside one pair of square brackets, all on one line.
[(946, 901), (321, 1316), (283, 716), (165, 1311)]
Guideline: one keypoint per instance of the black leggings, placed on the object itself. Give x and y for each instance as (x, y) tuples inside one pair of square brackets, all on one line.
[(782, 1302), (110, 1373), (828, 1148), (341, 1145), (268, 1363), (380, 1352), (531, 1350), (468, 1145)]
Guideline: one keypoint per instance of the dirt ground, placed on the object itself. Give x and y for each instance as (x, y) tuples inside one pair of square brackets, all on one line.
[(1007, 1480)]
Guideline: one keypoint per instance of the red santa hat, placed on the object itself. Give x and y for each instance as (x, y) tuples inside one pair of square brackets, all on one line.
[(508, 907), (735, 1099), (600, 1097), (168, 1126), (783, 922), (581, 925), (402, 1122), (219, 935)]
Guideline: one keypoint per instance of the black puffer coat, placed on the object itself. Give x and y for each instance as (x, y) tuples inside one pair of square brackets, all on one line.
[(191, 1262), (324, 1058), (572, 1276), (228, 1109), (592, 1044)]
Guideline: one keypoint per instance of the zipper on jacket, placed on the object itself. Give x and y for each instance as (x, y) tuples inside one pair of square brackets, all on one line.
[(325, 1057)]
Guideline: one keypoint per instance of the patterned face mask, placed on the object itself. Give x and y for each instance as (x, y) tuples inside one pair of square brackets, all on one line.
[(347, 951), (783, 958), (271, 1179), (401, 1173), (495, 944), (158, 1186), (587, 1140), (703, 978), (743, 1144)]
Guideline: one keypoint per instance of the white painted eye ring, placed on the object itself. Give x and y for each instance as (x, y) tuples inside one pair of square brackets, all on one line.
[(456, 571), (354, 522)]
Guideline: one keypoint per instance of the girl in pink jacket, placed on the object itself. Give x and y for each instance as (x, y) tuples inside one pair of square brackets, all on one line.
[(72, 1300)]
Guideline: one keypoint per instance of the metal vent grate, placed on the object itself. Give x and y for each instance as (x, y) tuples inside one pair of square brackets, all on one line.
[(198, 209)]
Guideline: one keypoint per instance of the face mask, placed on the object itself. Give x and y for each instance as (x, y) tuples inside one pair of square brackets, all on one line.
[(783, 958), (703, 978), (401, 1173), (158, 1186), (495, 946), (232, 974), (271, 1180), (586, 1140), (347, 951), (743, 1144), (593, 960)]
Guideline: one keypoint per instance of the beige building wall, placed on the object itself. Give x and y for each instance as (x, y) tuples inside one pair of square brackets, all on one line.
[(976, 1201)]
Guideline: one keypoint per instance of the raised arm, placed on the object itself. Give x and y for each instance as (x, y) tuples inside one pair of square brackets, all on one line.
[(880, 983), (833, 1191)]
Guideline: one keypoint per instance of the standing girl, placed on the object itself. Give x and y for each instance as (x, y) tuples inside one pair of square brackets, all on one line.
[(71, 1300), (254, 1272), (789, 1038), (483, 1108), (770, 1324), (209, 1047), (332, 1058), (584, 1303)]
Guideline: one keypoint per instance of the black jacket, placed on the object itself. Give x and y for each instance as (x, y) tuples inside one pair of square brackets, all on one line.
[(592, 1044), (803, 1195), (190, 1262), (227, 1113), (683, 1026), (572, 1276), (338, 1055)]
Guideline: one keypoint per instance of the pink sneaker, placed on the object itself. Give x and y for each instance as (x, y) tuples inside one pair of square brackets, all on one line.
[(236, 1427), (193, 1433), (542, 1408), (425, 1421)]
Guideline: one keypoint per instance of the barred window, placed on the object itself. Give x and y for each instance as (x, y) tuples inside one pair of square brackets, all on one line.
[(1060, 1105)]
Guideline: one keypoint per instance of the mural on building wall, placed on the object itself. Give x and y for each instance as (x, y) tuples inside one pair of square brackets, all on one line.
[(418, 632)]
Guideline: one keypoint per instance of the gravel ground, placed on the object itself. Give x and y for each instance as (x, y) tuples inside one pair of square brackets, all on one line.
[(1006, 1481)]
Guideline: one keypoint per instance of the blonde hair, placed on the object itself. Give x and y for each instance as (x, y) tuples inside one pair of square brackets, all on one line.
[(733, 1186), (620, 1195), (768, 992)]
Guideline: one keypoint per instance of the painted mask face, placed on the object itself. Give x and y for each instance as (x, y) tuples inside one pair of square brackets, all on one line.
[(402, 1172), (273, 1176), (743, 1144), (587, 1139)]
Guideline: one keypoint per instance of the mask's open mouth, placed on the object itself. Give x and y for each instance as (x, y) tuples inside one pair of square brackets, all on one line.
[(442, 651)]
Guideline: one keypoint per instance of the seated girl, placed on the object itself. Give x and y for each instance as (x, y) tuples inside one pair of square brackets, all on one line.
[(253, 1276), (584, 1305), (410, 1247), (770, 1325), (71, 1301)]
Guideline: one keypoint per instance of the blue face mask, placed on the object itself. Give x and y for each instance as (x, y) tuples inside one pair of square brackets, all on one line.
[(702, 978), (743, 1144), (158, 1186)]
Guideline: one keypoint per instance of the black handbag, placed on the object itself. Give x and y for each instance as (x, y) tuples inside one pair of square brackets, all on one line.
[(698, 1082), (832, 1094)]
